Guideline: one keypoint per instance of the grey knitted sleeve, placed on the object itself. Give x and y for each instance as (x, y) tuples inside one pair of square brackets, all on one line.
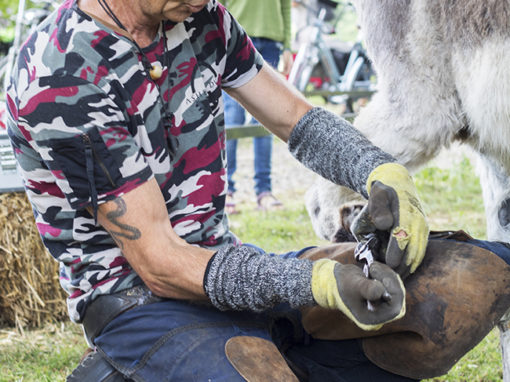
[(334, 149), (242, 278)]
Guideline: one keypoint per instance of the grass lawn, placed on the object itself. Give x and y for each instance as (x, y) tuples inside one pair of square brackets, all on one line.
[(452, 200), (48, 354), (451, 197)]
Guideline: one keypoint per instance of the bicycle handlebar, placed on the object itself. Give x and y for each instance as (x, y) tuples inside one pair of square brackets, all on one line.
[(320, 13)]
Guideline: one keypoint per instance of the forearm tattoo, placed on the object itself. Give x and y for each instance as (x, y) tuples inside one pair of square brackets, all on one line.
[(125, 231)]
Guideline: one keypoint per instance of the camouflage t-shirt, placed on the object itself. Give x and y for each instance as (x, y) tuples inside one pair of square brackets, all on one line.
[(87, 124)]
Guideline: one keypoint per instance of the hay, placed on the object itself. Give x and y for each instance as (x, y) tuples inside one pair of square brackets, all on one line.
[(30, 294)]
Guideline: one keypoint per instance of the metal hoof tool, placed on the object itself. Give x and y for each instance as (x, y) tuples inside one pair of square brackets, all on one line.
[(363, 254)]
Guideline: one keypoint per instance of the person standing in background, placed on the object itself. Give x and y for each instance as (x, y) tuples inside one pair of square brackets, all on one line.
[(268, 23)]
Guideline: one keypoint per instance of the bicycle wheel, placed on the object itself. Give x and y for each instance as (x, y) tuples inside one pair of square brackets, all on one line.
[(302, 70)]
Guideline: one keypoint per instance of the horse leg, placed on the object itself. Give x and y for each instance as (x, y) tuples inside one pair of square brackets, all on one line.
[(495, 184)]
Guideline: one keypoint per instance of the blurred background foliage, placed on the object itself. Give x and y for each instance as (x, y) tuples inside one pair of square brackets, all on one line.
[(8, 12)]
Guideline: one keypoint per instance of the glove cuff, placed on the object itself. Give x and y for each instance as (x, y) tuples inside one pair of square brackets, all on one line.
[(388, 173), (244, 278), (331, 147), (323, 283)]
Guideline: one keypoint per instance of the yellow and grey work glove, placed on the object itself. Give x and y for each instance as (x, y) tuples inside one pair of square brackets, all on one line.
[(346, 288), (393, 206)]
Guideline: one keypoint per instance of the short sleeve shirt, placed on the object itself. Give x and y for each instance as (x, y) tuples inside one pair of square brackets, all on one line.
[(87, 125)]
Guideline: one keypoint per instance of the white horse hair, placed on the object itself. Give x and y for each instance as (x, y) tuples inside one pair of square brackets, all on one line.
[(443, 69)]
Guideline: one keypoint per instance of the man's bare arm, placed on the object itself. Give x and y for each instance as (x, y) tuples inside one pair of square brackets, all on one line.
[(272, 101), (139, 224)]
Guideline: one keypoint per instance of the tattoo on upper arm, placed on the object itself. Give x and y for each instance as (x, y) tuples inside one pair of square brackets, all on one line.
[(125, 231)]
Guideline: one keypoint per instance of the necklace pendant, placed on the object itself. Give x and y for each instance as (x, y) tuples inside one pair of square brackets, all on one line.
[(156, 71)]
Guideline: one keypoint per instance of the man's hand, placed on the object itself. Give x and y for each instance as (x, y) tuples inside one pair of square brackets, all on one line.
[(393, 206), (345, 288), (288, 60)]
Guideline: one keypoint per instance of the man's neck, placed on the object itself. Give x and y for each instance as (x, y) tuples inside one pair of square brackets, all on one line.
[(140, 27)]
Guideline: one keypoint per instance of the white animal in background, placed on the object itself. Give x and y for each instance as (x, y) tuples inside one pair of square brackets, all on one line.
[(443, 70)]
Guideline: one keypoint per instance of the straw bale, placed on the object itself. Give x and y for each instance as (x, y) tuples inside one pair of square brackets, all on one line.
[(30, 294)]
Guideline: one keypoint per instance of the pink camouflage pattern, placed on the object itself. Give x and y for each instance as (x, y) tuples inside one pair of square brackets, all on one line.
[(86, 125)]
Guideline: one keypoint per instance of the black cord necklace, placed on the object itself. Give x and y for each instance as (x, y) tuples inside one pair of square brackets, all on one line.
[(155, 71)]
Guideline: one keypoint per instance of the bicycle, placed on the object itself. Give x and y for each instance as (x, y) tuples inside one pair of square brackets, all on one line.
[(338, 71)]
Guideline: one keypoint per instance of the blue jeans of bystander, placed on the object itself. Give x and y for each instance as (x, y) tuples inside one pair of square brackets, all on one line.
[(262, 146)]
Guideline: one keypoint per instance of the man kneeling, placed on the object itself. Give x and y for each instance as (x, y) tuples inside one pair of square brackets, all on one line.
[(453, 300)]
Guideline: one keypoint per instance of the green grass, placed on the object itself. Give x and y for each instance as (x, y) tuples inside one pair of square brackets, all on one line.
[(276, 231), (48, 354), (482, 364), (451, 198)]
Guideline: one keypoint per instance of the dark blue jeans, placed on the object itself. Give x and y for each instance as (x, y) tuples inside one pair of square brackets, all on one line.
[(178, 341), (235, 115)]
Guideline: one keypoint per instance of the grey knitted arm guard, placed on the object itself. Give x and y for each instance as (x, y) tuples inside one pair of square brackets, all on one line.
[(334, 149), (241, 278)]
